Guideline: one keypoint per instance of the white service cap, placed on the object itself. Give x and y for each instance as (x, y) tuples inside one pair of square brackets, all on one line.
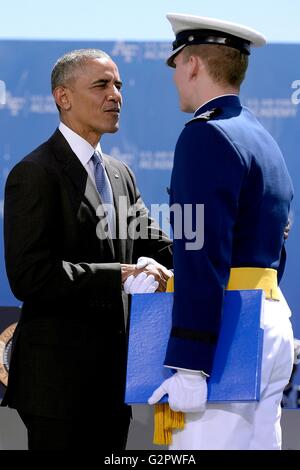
[(190, 29)]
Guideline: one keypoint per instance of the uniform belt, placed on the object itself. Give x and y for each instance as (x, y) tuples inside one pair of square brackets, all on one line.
[(255, 278), (248, 279)]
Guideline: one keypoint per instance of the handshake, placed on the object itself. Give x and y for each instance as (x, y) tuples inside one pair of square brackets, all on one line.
[(186, 389), (147, 276)]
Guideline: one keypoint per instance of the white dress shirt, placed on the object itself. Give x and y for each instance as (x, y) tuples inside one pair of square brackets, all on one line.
[(84, 152), (82, 149)]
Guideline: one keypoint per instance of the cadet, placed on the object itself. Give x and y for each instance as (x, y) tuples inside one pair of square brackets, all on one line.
[(227, 161)]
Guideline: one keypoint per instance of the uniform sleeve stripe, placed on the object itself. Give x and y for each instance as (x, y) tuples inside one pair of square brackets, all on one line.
[(203, 336)]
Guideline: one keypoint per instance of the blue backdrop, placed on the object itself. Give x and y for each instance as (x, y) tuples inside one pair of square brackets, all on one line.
[(150, 121)]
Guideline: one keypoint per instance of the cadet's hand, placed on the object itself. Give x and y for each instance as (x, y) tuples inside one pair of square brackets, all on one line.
[(187, 392), (141, 284), (150, 266)]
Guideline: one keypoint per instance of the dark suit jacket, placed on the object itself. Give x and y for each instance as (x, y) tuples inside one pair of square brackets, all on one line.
[(70, 344)]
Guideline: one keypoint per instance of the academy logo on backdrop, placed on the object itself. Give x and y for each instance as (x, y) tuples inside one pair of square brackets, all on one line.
[(9, 317), (296, 94), (5, 351)]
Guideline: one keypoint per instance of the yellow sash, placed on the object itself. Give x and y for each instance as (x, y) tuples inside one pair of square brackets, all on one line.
[(255, 278)]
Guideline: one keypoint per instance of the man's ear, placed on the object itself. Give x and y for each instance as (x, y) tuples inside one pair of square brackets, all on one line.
[(62, 97), (195, 66)]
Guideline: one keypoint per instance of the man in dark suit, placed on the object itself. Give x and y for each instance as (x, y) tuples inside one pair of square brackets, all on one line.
[(67, 259)]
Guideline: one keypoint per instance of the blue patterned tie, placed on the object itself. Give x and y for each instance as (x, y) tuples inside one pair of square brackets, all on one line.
[(104, 189)]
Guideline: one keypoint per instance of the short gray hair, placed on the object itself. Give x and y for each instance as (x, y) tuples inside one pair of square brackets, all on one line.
[(66, 66)]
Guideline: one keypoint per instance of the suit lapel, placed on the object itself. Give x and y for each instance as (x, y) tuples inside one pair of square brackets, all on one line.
[(114, 178), (91, 194), (74, 170), (68, 160), (121, 206)]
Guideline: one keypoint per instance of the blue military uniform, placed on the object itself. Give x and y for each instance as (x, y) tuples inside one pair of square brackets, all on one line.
[(227, 161)]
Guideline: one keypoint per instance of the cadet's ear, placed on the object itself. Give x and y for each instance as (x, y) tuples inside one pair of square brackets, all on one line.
[(195, 66), (62, 98), (287, 229)]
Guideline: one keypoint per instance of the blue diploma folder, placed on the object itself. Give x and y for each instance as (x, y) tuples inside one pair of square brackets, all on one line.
[(236, 370)]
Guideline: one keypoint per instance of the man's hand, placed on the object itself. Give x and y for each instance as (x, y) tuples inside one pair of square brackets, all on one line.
[(128, 270), (187, 392)]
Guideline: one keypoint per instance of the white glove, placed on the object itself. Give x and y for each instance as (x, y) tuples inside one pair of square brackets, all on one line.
[(141, 284), (187, 392), (143, 261)]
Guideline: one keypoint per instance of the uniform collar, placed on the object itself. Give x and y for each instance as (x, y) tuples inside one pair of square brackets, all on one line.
[(219, 102)]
